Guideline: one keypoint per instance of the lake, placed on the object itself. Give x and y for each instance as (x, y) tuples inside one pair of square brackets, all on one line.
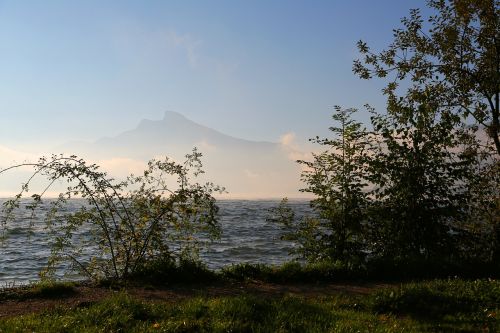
[(246, 237)]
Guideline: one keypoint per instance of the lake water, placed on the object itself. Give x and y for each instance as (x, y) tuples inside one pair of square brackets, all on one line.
[(246, 237)]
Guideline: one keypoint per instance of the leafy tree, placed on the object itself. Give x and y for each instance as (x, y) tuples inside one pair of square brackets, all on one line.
[(159, 215), (337, 179), (483, 218), (418, 173), (453, 55)]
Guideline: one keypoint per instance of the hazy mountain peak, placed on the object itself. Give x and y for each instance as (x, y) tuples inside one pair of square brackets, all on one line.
[(173, 116), (245, 167)]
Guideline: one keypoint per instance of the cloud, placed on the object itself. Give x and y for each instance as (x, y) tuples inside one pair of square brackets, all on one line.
[(287, 139), (293, 150)]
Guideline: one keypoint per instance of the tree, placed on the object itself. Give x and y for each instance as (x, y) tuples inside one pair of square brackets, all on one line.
[(337, 179), (454, 55), (159, 215), (418, 174), (483, 218)]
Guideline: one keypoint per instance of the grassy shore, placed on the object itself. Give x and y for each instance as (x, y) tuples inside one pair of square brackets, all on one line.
[(445, 305)]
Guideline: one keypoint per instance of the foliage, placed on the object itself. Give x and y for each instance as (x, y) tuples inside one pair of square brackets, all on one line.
[(418, 174), (399, 192), (337, 179), (452, 58), (375, 270), (165, 271), (483, 218), (294, 272), (51, 289), (160, 214), (247, 271), (435, 173)]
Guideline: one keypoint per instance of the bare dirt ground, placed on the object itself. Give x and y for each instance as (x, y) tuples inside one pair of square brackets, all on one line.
[(85, 295)]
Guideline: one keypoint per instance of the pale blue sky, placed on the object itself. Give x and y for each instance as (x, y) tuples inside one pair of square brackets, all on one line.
[(80, 70)]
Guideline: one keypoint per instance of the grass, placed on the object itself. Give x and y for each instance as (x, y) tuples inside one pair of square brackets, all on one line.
[(451, 305), (121, 313)]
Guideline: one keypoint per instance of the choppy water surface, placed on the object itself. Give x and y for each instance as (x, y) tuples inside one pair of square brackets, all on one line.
[(246, 237)]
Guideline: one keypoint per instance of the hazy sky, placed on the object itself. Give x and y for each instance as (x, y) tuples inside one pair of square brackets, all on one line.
[(80, 70)]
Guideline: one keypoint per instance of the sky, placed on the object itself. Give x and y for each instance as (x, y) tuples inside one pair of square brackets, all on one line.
[(80, 70), (262, 70)]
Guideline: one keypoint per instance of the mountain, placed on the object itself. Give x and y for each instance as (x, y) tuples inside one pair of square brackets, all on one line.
[(246, 168)]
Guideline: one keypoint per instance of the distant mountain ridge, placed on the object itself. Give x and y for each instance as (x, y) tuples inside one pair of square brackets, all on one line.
[(177, 127), (247, 168)]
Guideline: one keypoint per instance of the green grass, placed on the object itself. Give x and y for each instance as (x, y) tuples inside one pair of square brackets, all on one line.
[(446, 303), (434, 306), (121, 313)]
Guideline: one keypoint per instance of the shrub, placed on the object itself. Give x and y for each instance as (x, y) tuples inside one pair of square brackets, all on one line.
[(337, 179), (159, 215), (245, 271), (50, 289), (294, 272), (164, 271)]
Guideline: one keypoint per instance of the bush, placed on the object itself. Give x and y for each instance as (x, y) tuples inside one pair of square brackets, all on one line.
[(160, 215), (337, 178), (42, 289), (294, 272), (246, 271), (166, 271), (50, 289)]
